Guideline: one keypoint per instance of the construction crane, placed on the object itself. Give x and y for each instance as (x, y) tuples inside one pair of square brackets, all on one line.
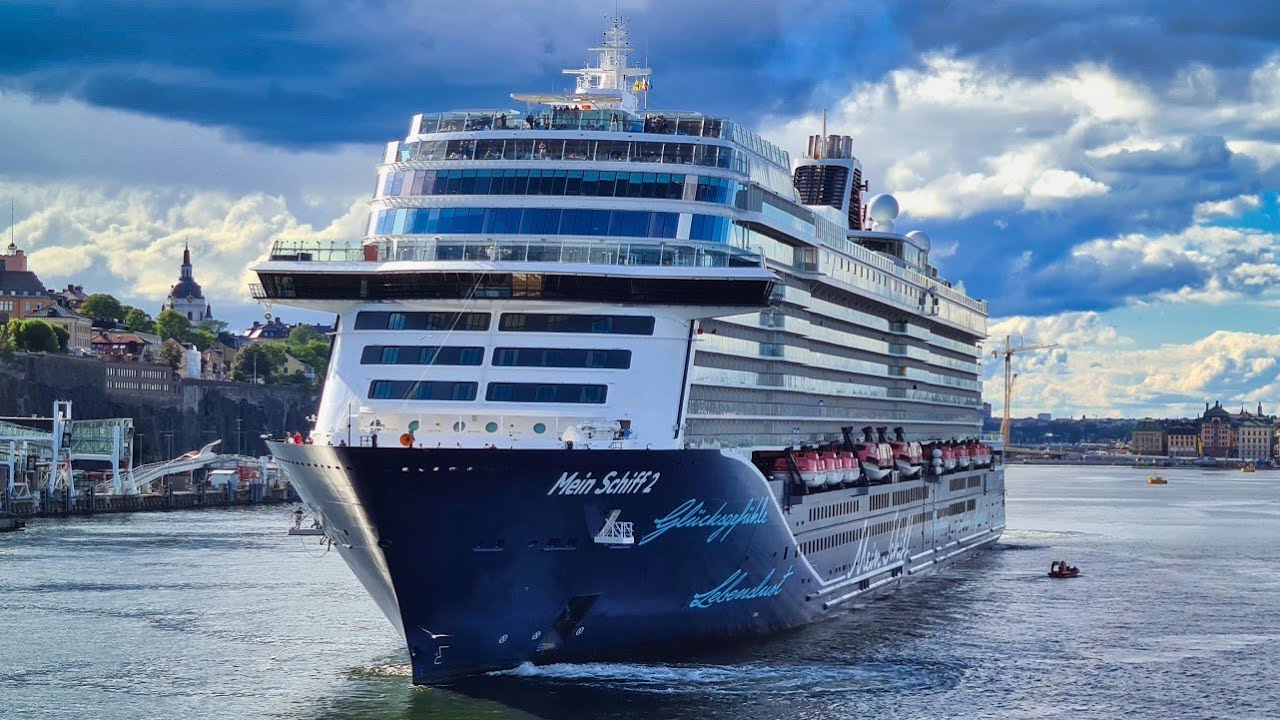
[(1007, 351)]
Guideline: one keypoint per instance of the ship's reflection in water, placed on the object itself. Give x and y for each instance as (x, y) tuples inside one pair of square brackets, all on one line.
[(219, 615)]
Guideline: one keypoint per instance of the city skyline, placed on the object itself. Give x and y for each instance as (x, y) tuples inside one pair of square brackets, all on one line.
[(1117, 196)]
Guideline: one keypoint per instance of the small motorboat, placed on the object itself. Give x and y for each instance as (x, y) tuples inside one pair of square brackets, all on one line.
[(1156, 480), (1249, 468), (1059, 569)]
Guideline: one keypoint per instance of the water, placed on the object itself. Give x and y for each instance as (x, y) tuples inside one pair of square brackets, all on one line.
[(218, 614)]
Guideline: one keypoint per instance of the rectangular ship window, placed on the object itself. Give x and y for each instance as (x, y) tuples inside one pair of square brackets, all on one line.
[(421, 355), (562, 357), (546, 393), (589, 324), (449, 321), (422, 390)]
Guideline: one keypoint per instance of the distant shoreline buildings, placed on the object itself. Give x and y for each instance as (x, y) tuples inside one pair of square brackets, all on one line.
[(24, 297), (1217, 433)]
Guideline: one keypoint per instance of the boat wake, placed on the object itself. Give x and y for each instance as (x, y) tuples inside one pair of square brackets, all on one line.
[(386, 670), (669, 679)]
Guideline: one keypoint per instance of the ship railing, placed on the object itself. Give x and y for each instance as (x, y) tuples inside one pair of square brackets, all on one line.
[(686, 124), (531, 250), (568, 118)]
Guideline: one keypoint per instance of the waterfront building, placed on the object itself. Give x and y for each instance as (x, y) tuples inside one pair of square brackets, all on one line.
[(79, 328), (1255, 438), (140, 379), (1217, 432), (276, 330), (123, 344), (22, 295), (187, 297), (1150, 438), (1182, 439), (71, 298), (218, 359)]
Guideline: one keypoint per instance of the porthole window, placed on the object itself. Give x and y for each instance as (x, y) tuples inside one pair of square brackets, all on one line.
[(539, 428), (459, 426), (491, 427)]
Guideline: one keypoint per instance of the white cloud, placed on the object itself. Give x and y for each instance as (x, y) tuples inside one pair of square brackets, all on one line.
[(954, 138), (107, 199), (69, 142), (1235, 207), (129, 242), (1096, 371), (1056, 184)]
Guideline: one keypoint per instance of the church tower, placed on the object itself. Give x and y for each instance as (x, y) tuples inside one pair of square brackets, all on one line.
[(187, 297)]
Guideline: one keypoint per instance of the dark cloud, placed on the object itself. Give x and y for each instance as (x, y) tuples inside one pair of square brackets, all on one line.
[(313, 73), (1151, 39), (316, 72), (1203, 153)]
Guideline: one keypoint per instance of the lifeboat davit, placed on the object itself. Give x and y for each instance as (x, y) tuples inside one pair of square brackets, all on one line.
[(874, 459), (908, 456)]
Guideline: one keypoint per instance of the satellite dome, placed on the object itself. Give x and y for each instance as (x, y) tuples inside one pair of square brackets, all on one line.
[(883, 208), (920, 239)]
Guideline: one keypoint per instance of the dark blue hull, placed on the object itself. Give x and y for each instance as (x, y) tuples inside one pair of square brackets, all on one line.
[(487, 559)]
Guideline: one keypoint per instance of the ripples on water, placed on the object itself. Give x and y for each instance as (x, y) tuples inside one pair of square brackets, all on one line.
[(218, 614)]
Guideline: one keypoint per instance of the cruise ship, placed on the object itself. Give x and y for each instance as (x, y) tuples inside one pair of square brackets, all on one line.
[(611, 382)]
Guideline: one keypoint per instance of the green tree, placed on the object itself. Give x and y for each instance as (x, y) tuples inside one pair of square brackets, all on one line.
[(101, 306), (172, 324), (216, 327), (303, 335), (171, 354), (33, 335), (203, 339), (258, 361), (138, 320), (298, 379), (64, 337)]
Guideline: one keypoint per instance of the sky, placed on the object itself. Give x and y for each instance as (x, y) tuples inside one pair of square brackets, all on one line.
[(1104, 174)]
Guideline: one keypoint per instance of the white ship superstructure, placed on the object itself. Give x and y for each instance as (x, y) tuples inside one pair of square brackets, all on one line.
[(503, 216), (673, 291)]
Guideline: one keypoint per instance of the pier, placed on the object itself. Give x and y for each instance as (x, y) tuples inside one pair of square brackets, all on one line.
[(58, 466)]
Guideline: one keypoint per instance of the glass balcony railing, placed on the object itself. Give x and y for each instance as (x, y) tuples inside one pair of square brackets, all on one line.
[(566, 118), (602, 120), (524, 250)]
